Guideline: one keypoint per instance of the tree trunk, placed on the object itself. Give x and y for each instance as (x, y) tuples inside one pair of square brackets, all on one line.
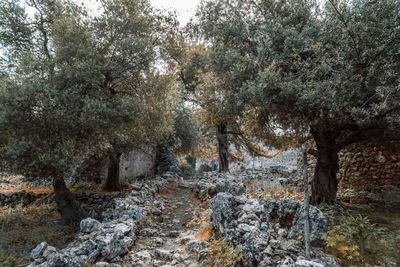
[(112, 182), (67, 204), (223, 146), (325, 182)]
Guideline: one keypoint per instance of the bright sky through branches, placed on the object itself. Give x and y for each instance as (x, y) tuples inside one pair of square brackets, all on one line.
[(185, 8)]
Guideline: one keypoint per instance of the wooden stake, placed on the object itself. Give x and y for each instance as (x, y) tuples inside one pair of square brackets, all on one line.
[(306, 204)]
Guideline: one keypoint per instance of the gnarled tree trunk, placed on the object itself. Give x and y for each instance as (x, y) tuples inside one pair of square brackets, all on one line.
[(223, 146), (112, 181), (325, 183), (67, 204)]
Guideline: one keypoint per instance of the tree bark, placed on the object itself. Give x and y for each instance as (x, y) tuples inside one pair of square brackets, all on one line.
[(223, 146), (112, 181), (67, 204), (325, 182)]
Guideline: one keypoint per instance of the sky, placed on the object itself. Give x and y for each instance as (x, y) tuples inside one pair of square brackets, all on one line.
[(185, 8)]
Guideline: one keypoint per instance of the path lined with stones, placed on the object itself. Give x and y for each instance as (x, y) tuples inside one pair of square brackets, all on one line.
[(167, 238)]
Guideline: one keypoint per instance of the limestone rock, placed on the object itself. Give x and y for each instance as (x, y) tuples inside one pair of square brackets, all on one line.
[(38, 250), (107, 239), (267, 231), (89, 225)]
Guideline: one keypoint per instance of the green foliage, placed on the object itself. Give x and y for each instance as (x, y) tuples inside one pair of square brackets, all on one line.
[(301, 63), (186, 132), (74, 83), (205, 168), (356, 240)]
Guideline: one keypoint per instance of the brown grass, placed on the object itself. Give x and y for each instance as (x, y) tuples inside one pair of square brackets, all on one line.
[(23, 228), (34, 190), (224, 254), (204, 234), (256, 189), (168, 190), (200, 219)]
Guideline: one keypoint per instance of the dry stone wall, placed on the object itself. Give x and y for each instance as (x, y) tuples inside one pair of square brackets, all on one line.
[(369, 174)]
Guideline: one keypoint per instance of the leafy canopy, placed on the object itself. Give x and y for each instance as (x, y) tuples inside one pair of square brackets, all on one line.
[(300, 63), (70, 83)]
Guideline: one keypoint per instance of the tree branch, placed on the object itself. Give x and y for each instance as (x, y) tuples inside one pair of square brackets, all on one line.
[(233, 133), (343, 20)]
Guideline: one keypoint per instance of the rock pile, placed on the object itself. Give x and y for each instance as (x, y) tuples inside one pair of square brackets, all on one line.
[(287, 158), (215, 182), (212, 183), (268, 231), (92, 204), (169, 239), (107, 241)]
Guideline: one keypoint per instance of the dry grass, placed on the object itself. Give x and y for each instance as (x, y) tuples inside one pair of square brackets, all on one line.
[(16, 183), (224, 254), (200, 219), (379, 231), (86, 187), (204, 234), (257, 189), (34, 190), (168, 190), (202, 222), (23, 228)]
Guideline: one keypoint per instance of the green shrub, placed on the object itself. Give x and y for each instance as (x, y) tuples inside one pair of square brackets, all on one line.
[(187, 170), (356, 240), (191, 161), (205, 168)]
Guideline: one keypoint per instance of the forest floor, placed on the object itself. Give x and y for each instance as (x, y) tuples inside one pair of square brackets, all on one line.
[(181, 234), (164, 237), (23, 228)]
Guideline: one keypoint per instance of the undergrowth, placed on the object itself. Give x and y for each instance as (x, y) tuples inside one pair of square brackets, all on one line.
[(355, 240), (23, 228), (85, 186), (257, 189), (224, 254)]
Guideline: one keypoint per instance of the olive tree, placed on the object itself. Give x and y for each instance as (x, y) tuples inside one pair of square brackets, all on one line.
[(328, 67), (219, 115), (74, 84)]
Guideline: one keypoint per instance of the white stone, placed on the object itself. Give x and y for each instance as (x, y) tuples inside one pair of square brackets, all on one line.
[(163, 254), (306, 263)]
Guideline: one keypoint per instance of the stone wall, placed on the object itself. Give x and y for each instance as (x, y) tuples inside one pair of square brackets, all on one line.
[(138, 162), (370, 173)]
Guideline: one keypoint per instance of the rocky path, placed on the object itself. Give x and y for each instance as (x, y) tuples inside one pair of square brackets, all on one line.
[(168, 238)]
